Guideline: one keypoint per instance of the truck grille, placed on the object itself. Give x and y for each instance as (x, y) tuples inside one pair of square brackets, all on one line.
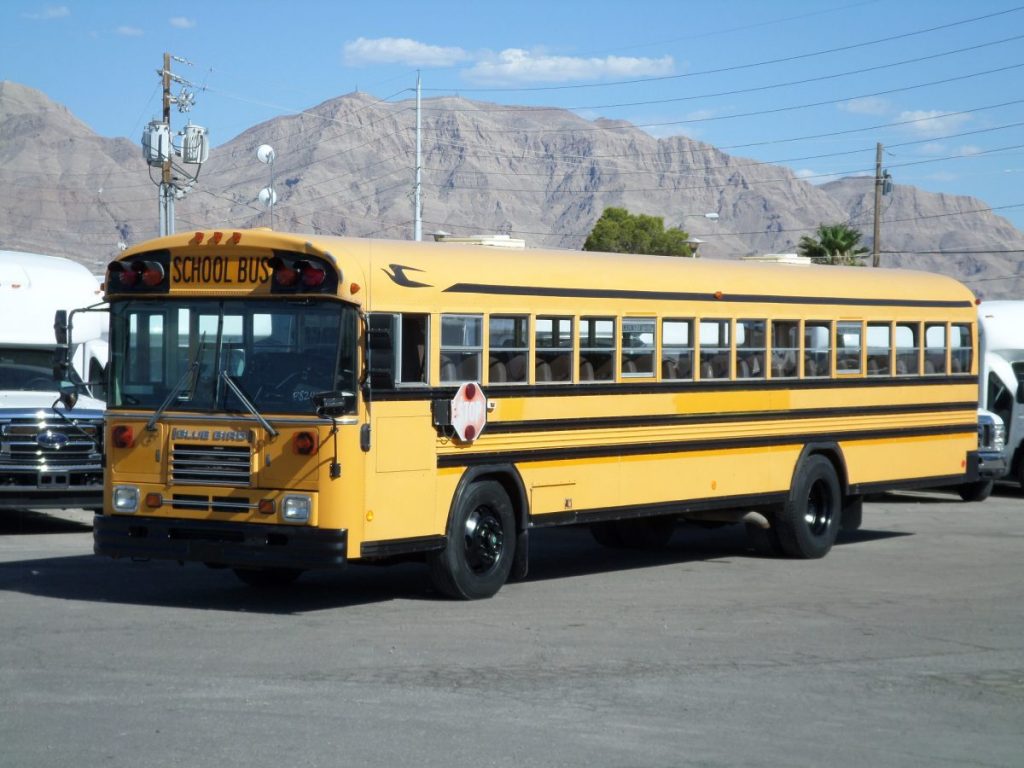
[(32, 442), (198, 464)]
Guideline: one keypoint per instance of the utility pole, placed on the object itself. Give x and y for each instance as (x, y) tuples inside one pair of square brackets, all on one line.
[(876, 253), (166, 188), (417, 204)]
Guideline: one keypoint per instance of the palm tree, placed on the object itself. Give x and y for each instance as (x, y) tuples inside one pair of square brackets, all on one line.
[(836, 244)]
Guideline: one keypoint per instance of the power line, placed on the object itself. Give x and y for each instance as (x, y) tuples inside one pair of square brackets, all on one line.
[(738, 67)]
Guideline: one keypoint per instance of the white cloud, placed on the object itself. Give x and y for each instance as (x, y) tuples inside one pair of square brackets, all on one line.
[(932, 122), (50, 12), (970, 149), (869, 105), (516, 65), (400, 50), (182, 22), (126, 31), (932, 148)]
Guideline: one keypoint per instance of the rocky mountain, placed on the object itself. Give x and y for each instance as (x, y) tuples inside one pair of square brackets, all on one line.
[(345, 167)]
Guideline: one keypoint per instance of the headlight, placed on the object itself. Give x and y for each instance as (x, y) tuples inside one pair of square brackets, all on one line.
[(126, 498), (296, 509), (999, 440)]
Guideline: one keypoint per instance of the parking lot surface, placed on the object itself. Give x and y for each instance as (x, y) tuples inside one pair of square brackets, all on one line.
[(903, 647)]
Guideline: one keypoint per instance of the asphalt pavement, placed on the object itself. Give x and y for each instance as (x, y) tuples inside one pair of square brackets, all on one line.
[(903, 647)]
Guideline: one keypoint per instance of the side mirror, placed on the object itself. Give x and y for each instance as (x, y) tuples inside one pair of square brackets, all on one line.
[(60, 326), (61, 363), (68, 397), (332, 403)]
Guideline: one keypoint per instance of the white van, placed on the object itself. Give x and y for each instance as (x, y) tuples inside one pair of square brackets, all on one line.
[(1001, 374), (50, 457)]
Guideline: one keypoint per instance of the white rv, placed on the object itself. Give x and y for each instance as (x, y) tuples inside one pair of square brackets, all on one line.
[(50, 457), (1001, 379)]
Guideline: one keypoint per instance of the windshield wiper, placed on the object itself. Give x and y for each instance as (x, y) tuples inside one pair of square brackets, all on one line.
[(191, 371), (247, 403)]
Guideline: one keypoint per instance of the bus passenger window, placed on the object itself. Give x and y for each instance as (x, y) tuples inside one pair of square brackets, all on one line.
[(638, 346), (750, 349), (785, 348), (960, 348), (714, 349), (879, 349), (461, 348), (934, 348), (413, 350), (509, 345), (817, 349), (676, 349), (553, 337), (908, 349), (848, 347), (597, 349)]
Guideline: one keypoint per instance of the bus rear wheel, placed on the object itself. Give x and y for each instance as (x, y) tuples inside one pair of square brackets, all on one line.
[(808, 522), (477, 558)]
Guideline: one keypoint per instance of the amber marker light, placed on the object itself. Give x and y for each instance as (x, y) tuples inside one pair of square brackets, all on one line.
[(266, 507), (236, 238), (154, 500), (197, 239)]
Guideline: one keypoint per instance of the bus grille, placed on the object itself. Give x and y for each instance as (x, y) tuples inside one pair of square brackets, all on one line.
[(211, 465), (34, 443)]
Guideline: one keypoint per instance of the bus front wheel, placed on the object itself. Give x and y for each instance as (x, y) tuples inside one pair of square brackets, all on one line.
[(809, 520), (477, 557)]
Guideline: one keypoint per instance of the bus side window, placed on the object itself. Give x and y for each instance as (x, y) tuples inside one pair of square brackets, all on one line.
[(750, 349), (879, 348), (908, 349), (508, 345), (553, 339), (848, 347), (413, 348), (638, 346), (597, 349), (817, 349), (714, 349), (461, 348), (934, 348), (676, 349), (785, 348), (960, 348)]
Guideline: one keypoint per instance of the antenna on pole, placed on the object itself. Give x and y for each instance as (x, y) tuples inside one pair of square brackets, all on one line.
[(417, 203), (265, 154)]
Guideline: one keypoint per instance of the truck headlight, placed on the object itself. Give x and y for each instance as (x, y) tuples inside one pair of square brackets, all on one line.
[(999, 438), (296, 509), (126, 499)]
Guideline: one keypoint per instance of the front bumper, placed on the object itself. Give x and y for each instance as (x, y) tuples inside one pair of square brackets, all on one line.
[(992, 465), (237, 545)]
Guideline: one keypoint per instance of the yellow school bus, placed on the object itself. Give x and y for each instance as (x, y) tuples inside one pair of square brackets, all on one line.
[(283, 402)]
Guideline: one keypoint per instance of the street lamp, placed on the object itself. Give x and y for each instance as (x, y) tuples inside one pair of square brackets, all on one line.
[(695, 242)]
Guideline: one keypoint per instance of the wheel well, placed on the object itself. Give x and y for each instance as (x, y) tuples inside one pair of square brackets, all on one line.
[(834, 454), (509, 479)]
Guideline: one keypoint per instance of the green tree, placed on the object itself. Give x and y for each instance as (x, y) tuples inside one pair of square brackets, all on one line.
[(836, 244), (619, 231)]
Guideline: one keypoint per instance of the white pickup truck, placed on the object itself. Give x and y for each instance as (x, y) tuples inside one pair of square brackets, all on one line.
[(50, 457)]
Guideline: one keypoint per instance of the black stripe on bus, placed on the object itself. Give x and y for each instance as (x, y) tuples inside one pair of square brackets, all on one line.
[(657, 420), (469, 459), (743, 502), (651, 387), (727, 298)]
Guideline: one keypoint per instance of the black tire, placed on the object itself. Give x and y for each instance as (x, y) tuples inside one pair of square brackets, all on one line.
[(268, 578), (978, 491), (478, 556), (809, 520)]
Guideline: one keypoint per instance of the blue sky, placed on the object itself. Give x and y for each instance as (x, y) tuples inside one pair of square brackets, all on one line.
[(811, 85)]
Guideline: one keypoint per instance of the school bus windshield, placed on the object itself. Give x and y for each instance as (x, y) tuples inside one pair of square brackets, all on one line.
[(278, 353)]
